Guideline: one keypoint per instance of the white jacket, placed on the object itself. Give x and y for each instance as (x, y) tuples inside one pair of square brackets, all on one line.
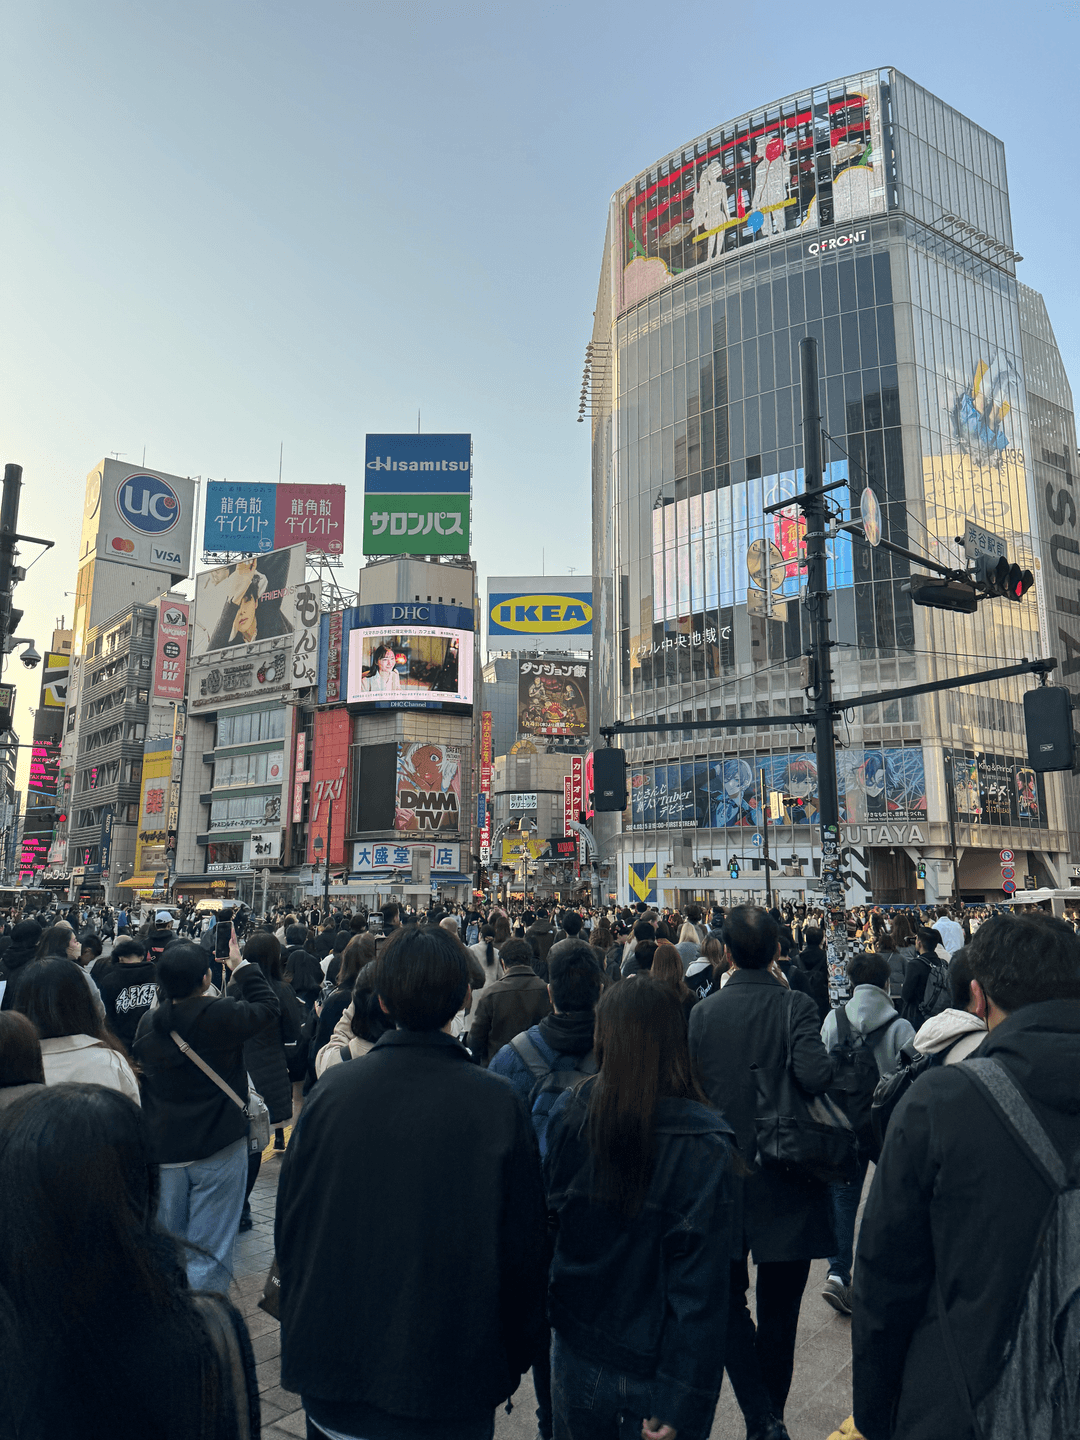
[(958, 1029), (88, 1061)]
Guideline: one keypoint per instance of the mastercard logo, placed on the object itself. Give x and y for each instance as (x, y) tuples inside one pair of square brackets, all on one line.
[(127, 546)]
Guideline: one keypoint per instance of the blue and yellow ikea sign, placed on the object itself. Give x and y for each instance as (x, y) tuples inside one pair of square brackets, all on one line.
[(520, 614)]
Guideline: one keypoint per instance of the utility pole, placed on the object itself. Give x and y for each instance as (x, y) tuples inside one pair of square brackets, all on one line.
[(765, 803), (9, 525)]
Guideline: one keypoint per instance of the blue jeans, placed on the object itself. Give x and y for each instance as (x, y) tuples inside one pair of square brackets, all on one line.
[(845, 1205), (201, 1203), (591, 1402)]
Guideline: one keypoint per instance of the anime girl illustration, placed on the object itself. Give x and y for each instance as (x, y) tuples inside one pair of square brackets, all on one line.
[(428, 787), (734, 794)]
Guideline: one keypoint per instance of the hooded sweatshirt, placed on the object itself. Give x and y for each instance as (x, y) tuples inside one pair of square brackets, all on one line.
[(867, 1010), (957, 1032)]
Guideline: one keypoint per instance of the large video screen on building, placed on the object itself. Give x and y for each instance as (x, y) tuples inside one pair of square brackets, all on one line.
[(428, 794), (425, 666), (553, 697)]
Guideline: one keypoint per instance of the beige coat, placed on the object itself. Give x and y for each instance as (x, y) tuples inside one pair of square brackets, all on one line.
[(89, 1061), (330, 1054)]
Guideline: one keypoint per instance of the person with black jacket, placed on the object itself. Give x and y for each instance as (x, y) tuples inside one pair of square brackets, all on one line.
[(302, 969), (737, 1034), (638, 1174), (25, 938), (198, 1134), (928, 951), (957, 1216), (814, 963), (412, 1132), (127, 981)]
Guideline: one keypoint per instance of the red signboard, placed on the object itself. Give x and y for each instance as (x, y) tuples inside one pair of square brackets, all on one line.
[(568, 804), (170, 652), (485, 777), (329, 782), (577, 778), (314, 514)]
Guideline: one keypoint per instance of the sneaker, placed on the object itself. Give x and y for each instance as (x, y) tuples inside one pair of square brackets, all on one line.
[(837, 1294), (246, 1222)]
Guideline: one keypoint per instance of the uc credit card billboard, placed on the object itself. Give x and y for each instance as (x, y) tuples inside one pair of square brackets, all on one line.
[(417, 494), (539, 612), (134, 516)]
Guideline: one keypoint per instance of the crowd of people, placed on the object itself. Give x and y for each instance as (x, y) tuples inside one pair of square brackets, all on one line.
[(571, 1143)]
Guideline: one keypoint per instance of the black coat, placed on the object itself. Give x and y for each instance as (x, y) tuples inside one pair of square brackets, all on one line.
[(732, 1030), (392, 1294), (916, 972), (814, 963), (264, 1053), (16, 958), (956, 1203)]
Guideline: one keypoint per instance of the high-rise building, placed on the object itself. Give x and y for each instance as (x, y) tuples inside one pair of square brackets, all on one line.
[(869, 214)]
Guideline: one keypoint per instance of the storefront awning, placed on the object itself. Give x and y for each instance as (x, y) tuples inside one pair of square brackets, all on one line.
[(139, 882)]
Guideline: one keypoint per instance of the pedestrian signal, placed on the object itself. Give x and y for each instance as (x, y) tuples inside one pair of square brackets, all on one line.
[(733, 869), (920, 870)]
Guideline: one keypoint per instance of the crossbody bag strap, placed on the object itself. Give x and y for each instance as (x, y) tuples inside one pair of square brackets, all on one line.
[(208, 1072)]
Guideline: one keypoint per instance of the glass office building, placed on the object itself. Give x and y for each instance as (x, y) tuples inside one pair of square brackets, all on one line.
[(871, 215)]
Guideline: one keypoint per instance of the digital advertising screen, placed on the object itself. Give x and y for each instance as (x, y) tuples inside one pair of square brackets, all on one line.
[(553, 698), (411, 666)]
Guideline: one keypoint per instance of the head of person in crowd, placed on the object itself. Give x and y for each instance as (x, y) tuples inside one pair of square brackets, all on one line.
[(667, 967), (1021, 960), (264, 949), (713, 951), (571, 923), (25, 937), (689, 931), (575, 980), (163, 920), (644, 930), (182, 972), (449, 923), (902, 932), (90, 948), (58, 939), (357, 953), (501, 927), (369, 1020), (358, 923), (487, 940), (965, 992), (927, 940), (296, 935), (422, 977), (812, 937), (693, 915), (643, 954), (641, 1048), (752, 937), (868, 968), (603, 936), (128, 951), (516, 952), (662, 930), (55, 998), (21, 1065), (391, 916)]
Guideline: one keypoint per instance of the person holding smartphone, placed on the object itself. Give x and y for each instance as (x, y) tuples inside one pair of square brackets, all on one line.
[(198, 1134)]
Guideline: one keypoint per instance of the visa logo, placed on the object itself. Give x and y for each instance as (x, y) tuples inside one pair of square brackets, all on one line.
[(541, 614), (166, 557)]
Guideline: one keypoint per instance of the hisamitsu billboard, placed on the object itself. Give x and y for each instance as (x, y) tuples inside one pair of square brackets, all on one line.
[(418, 464), (417, 494)]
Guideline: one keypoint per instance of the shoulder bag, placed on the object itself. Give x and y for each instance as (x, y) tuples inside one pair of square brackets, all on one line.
[(258, 1116), (804, 1136)]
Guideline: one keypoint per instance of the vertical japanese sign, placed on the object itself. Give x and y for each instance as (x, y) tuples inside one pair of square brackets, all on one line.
[(305, 658), (568, 804), (150, 841), (301, 775), (329, 770), (485, 785), (577, 776), (170, 651), (333, 655)]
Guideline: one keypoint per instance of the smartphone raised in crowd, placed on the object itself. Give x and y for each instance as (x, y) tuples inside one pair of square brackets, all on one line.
[(223, 933)]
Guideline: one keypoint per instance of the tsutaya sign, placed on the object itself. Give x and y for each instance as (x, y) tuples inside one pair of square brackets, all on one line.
[(883, 834)]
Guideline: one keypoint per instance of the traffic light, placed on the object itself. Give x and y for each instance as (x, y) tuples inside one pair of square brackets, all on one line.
[(920, 870), (7, 707), (1051, 741), (996, 576), (609, 779), (733, 868), (943, 594)]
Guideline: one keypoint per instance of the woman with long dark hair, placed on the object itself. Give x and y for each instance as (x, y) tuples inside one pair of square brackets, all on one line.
[(667, 967), (100, 1335), (638, 1179), (75, 1043)]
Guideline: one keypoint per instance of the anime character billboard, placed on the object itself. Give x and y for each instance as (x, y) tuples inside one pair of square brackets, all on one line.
[(888, 783), (428, 787)]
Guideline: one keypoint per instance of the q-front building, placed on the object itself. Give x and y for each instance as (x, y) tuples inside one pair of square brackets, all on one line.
[(872, 215)]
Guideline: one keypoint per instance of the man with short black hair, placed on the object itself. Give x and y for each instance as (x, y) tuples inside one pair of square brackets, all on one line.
[(510, 1005), (952, 934), (959, 1217), (412, 1142), (128, 988), (542, 932), (643, 930)]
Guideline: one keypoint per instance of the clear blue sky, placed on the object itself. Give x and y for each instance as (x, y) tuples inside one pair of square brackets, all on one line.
[(230, 225)]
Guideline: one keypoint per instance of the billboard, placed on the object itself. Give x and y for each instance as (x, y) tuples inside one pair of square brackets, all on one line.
[(428, 795), (54, 681), (553, 698), (778, 173), (539, 612), (375, 786), (990, 789), (170, 650), (485, 786), (410, 666), (253, 519), (138, 517), (152, 836), (416, 494), (368, 857), (329, 768)]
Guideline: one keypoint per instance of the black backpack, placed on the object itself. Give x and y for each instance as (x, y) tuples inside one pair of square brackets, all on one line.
[(856, 1076), (936, 997), (892, 1088), (550, 1080)]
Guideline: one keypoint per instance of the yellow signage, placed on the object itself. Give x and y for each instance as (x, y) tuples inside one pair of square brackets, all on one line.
[(515, 848), (541, 615), (154, 810)]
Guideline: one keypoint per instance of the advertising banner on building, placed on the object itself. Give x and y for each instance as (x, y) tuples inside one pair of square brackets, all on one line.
[(264, 845), (301, 776), (170, 650), (329, 766), (334, 662), (54, 681), (553, 698), (989, 789), (577, 798), (138, 517), (306, 600), (369, 858), (151, 839), (416, 494), (253, 519), (485, 786), (428, 787), (568, 805), (516, 847), (410, 666), (539, 612)]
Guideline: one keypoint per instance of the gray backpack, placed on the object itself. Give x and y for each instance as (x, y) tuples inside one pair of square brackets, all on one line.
[(1037, 1393)]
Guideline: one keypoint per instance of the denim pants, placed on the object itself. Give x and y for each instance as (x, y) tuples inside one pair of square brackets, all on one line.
[(201, 1203), (845, 1205), (592, 1402), (410, 1430), (760, 1360)]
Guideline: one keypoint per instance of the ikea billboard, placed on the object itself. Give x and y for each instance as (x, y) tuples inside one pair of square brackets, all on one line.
[(539, 612)]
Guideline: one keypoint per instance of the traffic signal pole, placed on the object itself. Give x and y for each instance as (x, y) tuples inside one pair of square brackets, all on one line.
[(9, 526)]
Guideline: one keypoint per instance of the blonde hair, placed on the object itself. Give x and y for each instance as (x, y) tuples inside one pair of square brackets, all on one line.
[(690, 931)]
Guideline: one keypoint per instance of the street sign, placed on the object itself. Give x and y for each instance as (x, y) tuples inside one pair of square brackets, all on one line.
[(755, 563), (757, 603), (1006, 857), (1009, 886), (1008, 872), (757, 839), (870, 513), (978, 541)]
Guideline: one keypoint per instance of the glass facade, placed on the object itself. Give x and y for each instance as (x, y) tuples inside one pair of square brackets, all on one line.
[(837, 214)]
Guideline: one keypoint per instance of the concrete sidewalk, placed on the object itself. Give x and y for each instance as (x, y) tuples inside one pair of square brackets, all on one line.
[(820, 1392)]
